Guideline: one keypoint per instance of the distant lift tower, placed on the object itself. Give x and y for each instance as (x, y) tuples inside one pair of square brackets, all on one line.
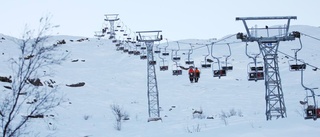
[(149, 37), (268, 45), (111, 18)]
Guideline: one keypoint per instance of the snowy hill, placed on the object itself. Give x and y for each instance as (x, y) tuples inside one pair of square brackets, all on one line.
[(114, 77)]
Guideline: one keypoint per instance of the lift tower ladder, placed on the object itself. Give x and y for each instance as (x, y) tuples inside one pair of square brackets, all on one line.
[(268, 45), (112, 18), (149, 37)]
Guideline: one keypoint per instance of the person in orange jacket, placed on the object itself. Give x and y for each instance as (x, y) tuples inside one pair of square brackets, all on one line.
[(191, 74), (196, 75)]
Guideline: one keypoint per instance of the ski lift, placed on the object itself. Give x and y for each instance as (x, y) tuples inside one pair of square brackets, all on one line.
[(176, 66), (165, 53), (152, 62), (121, 48), (255, 72), (217, 71), (157, 49), (136, 51), (114, 41), (205, 63), (143, 48), (131, 51), (175, 57), (294, 65), (311, 108), (143, 56), (255, 69), (189, 61), (227, 65), (164, 64), (177, 71)]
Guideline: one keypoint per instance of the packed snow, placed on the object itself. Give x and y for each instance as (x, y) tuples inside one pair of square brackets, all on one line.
[(114, 77)]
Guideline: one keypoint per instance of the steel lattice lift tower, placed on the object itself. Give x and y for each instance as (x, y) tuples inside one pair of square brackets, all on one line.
[(268, 45), (111, 18), (149, 37)]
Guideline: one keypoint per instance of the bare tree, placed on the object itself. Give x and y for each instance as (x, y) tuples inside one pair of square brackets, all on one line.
[(28, 98), (119, 114)]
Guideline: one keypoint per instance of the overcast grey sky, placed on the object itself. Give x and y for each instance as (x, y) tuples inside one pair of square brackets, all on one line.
[(178, 19)]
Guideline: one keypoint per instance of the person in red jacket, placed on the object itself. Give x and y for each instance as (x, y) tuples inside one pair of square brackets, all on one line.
[(196, 75), (191, 74)]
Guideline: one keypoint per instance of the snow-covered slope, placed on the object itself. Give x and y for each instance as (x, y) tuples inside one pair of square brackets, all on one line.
[(114, 77)]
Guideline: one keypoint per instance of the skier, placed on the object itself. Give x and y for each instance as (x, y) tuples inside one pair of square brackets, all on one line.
[(191, 74), (196, 75)]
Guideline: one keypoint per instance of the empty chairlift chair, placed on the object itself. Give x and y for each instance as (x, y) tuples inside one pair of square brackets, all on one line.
[(163, 64), (189, 60), (165, 53), (217, 70), (227, 65), (207, 62), (296, 64)]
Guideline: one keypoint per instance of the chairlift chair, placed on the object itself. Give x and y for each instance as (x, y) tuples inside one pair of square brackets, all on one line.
[(121, 48), (152, 62), (164, 65), (177, 70), (143, 55), (189, 61), (294, 66), (142, 47), (311, 108), (136, 52), (219, 73), (130, 52), (255, 72), (165, 53), (114, 41), (227, 65), (175, 57), (312, 111), (205, 64)]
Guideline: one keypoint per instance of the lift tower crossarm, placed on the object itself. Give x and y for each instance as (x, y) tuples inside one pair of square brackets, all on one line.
[(152, 91), (283, 38), (275, 106)]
